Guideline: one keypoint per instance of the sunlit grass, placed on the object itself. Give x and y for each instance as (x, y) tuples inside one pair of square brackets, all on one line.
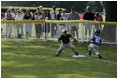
[(22, 60)]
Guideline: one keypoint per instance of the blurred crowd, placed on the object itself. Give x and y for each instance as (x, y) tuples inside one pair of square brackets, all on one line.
[(24, 30)]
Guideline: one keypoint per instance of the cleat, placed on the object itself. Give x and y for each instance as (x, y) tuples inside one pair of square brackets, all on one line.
[(100, 57), (56, 55), (89, 53), (76, 53)]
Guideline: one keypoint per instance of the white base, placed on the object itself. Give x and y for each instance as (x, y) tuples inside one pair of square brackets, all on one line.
[(78, 56)]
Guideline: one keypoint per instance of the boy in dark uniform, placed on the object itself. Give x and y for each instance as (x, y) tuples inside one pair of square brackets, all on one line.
[(65, 42)]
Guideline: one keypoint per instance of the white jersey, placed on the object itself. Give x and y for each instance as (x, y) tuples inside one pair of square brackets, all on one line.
[(52, 14), (19, 17)]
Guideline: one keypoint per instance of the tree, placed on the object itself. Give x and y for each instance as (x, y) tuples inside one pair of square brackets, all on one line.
[(79, 5), (95, 5), (109, 32)]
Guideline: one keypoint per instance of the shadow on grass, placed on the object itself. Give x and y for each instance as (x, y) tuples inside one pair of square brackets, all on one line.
[(25, 61)]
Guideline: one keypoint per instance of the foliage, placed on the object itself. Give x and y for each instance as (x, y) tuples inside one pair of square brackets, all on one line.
[(95, 5), (79, 5)]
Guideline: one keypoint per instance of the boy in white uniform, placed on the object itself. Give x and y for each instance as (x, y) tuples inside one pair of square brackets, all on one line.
[(96, 41), (65, 42)]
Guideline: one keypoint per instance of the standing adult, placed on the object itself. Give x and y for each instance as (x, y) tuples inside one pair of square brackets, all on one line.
[(28, 26), (98, 17), (39, 15), (47, 28), (19, 26), (64, 15), (37, 26), (9, 26), (2, 19), (73, 15), (88, 15), (59, 14), (43, 16), (94, 12), (14, 13), (53, 14), (59, 25)]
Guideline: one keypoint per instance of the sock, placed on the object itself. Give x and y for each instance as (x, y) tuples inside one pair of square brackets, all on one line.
[(89, 52)]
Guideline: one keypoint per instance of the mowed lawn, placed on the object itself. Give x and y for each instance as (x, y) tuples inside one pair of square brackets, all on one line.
[(35, 59)]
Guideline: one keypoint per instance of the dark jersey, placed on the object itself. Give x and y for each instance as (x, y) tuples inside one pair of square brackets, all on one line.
[(27, 17), (88, 16), (65, 38), (58, 16)]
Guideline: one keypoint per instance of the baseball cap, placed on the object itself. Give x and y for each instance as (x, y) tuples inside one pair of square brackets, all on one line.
[(64, 30), (40, 6)]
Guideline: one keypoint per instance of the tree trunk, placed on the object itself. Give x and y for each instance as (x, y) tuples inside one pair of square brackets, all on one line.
[(109, 32)]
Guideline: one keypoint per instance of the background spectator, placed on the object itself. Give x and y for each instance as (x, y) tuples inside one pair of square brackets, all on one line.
[(28, 26), (9, 27), (42, 17), (47, 28), (19, 26), (73, 15), (53, 14), (64, 15), (39, 15), (59, 14), (98, 17), (88, 27)]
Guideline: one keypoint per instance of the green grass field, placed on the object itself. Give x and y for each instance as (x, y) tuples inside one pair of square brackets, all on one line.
[(35, 59)]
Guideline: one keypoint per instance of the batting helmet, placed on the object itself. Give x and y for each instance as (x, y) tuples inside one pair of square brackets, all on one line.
[(97, 31)]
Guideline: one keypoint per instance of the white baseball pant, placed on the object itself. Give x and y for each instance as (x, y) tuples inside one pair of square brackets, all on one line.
[(95, 48), (62, 46)]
